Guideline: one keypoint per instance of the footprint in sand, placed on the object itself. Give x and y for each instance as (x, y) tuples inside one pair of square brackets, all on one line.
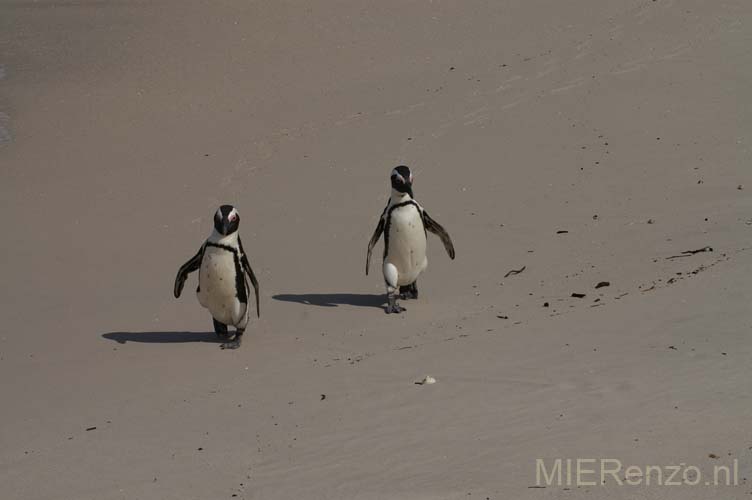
[(4, 129), (569, 85)]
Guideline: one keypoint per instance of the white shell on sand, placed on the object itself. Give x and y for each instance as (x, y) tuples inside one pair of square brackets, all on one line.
[(426, 380)]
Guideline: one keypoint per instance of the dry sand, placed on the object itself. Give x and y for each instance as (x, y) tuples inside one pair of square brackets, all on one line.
[(124, 124)]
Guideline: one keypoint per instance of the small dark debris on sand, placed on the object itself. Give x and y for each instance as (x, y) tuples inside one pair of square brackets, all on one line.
[(323, 397), (562, 231), (91, 428), (545, 304), (514, 272), (500, 316), (578, 295), (602, 284), (689, 253), (673, 347), (712, 455)]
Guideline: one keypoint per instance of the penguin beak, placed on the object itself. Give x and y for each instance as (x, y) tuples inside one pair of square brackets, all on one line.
[(400, 183), (398, 179), (225, 227)]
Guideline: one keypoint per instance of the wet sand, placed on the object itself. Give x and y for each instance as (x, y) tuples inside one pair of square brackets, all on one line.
[(588, 141)]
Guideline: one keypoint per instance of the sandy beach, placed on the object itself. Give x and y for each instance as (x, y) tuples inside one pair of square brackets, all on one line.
[(586, 141)]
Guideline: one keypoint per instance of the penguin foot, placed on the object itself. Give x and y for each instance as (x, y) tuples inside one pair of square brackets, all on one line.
[(221, 330), (394, 309), (233, 344), (392, 306), (408, 291)]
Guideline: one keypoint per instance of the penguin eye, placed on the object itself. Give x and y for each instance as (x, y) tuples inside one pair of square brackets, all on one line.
[(232, 218)]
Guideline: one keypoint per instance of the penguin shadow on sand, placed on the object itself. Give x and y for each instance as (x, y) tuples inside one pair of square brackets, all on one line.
[(162, 337), (334, 299)]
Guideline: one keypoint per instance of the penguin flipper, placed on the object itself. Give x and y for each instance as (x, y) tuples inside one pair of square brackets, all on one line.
[(193, 264), (251, 276), (374, 240), (436, 228)]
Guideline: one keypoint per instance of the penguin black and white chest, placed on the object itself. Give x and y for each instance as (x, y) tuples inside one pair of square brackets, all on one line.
[(404, 241), (223, 267), (404, 224), (222, 288)]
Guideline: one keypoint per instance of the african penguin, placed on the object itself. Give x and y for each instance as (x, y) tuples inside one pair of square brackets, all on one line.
[(404, 224), (223, 266)]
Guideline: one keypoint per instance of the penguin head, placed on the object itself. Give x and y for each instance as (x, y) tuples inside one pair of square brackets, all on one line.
[(402, 180), (226, 220)]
